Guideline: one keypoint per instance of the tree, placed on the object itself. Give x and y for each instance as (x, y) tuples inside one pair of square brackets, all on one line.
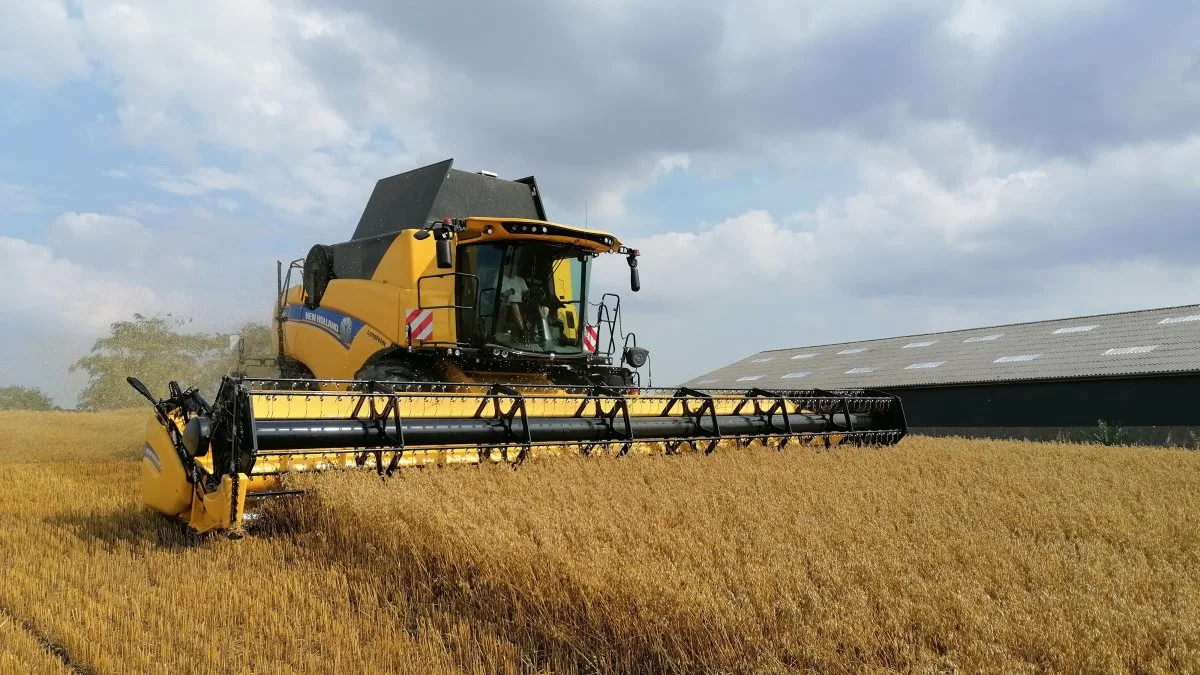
[(16, 397), (154, 350), (258, 341)]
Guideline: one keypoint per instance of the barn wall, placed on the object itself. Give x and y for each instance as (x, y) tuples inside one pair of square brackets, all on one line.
[(1159, 409), (1184, 437)]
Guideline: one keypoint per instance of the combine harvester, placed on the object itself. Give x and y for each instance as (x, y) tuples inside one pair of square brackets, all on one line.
[(455, 327)]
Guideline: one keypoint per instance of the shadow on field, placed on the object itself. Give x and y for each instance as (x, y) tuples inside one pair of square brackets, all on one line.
[(130, 525)]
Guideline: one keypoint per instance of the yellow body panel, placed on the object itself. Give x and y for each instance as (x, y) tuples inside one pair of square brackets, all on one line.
[(410, 265), (164, 480), (221, 509), (407, 278), (165, 485)]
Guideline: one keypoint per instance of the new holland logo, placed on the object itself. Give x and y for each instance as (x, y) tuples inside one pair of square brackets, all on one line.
[(344, 328), (149, 453), (320, 320)]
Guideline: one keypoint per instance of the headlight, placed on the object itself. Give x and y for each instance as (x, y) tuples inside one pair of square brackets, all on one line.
[(636, 357)]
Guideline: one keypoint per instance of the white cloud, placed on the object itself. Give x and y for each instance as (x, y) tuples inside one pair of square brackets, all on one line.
[(609, 203), (46, 287), (226, 72), (105, 241), (142, 209), (92, 228), (1009, 156), (39, 44), (201, 181), (912, 252), (16, 198)]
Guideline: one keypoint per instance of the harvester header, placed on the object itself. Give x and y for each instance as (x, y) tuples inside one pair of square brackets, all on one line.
[(204, 461)]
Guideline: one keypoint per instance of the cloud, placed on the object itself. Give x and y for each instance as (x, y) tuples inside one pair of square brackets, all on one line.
[(39, 44), (108, 241), (139, 209), (202, 181), (50, 289), (227, 82), (17, 198), (1001, 156), (925, 249), (316, 100)]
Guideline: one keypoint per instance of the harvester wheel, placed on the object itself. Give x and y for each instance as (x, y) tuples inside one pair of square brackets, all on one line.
[(390, 372), (296, 376), (318, 270)]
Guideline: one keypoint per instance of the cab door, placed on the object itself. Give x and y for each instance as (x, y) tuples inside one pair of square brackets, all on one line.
[(477, 288)]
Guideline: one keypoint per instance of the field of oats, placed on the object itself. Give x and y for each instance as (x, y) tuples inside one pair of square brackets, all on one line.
[(935, 555)]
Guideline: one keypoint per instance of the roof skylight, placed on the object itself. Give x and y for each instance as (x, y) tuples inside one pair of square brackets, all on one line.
[(1075, 329), (792, 375), (804, 356), (709, 381), (926, 343), (1118, 351), (927, 364), (762, 360), (858, 371), (1013, 359), (984, 338), (1180, 319), (856, 350), (748, 378)]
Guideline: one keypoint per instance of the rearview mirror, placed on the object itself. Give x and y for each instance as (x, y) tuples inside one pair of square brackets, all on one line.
[(635, 281), (444, 261)]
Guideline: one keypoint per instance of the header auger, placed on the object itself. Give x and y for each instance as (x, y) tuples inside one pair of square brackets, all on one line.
[(455, 327)]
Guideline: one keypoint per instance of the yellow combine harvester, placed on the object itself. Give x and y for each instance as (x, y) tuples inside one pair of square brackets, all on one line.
[(456, 327)]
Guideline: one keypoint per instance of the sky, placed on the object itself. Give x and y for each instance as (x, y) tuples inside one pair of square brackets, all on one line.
[(793, 172)]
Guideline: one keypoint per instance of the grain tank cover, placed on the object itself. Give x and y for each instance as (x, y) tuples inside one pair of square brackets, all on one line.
[(414, 198)]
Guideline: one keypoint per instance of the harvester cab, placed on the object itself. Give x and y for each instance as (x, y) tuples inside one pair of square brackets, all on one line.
[(457, 326), (456, 277)]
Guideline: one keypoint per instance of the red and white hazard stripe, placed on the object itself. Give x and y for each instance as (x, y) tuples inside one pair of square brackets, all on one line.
[(591, 335), (420, 323)]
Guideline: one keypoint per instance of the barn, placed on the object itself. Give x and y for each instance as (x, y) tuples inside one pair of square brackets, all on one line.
[(1057, 379)]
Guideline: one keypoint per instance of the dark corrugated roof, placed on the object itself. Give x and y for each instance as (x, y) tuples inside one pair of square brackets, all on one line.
[(1165, 340)]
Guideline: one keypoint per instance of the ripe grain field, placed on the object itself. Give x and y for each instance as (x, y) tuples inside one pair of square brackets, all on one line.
[(934, 555)]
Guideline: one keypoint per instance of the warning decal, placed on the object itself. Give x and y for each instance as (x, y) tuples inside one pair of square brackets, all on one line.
[(420, 323)]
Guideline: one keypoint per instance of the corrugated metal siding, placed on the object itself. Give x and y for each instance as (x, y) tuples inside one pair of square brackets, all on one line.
[(1025, 351)]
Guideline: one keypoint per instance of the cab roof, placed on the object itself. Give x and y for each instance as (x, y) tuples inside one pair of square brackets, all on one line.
[(415, 198)]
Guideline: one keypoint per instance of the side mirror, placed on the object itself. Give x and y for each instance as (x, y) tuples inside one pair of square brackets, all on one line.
[(444, 254), (635, 281)]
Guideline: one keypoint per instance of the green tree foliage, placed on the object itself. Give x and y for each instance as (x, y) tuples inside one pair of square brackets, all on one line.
[(156, 351), (16, 397), (258, 341), (1107, 433)]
